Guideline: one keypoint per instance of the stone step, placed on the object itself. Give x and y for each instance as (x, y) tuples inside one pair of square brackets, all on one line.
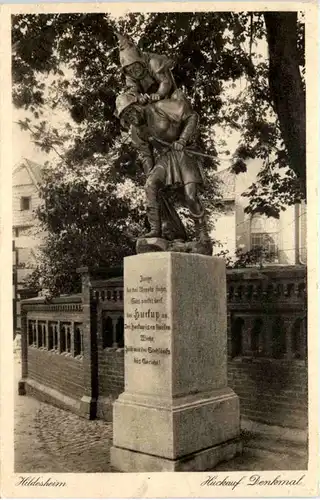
[(261, 446)]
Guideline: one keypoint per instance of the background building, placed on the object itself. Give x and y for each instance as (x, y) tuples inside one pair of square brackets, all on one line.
[(25, 192), (283, 238)]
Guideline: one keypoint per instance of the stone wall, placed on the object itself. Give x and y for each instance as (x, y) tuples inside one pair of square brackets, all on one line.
[(267, 345), (65, 374), (111, 371), (52, 351), (272, 392)]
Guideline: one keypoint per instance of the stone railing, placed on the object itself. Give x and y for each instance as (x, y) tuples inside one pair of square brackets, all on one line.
[(55, 326), (267, 312), (109, 298), (74, 344), (53, 350)]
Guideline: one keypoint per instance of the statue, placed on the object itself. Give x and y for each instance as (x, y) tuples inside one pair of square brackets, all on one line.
[(163, 133), (149, 75)]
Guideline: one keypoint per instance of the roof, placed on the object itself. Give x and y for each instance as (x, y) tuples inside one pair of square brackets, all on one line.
[(34, 170), (228, 184)]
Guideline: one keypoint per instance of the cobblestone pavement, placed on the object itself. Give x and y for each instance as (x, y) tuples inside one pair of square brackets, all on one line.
[(49, 439)]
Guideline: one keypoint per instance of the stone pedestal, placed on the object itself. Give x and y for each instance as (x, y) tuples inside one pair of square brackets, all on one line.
[(177, 412)]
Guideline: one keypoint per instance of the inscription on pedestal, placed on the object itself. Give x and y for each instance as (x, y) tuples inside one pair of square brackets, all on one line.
[(146, 320)]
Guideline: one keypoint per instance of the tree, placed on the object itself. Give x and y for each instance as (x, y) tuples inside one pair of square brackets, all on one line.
[(90, 219), (286, 86), (77, 54)]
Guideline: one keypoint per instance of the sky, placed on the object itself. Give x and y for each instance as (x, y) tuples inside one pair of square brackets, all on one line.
[(22, 145)]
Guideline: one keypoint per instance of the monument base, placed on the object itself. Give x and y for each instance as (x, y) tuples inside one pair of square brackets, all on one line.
[(177, 412), (132, 461), (178, 427), (146, 245)]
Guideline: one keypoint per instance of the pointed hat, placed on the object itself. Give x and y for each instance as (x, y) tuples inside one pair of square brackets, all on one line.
[(129, 53), (123, 101)]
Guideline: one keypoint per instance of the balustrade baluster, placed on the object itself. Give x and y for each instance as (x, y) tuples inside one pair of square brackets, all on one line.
[(37, 334), (44, 335), (47, 333), (34, 328), (288, 324), (59, 336), (72, 338), (81, 340)]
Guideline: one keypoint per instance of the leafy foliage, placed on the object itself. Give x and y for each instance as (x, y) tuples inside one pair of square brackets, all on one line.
[(69, 64), (257, 256)]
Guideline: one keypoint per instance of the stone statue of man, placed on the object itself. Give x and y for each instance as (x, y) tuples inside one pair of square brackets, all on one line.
[(171, 121)]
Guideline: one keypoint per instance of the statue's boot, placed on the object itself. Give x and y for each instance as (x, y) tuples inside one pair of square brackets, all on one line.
[(153, 215), (201, 228)]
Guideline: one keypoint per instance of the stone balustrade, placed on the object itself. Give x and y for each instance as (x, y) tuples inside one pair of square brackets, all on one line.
[(267, 342)]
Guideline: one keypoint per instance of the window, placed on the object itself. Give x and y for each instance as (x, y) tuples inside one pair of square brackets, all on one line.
[(23, 231), (25, 203), (264, 238), (24, 255)]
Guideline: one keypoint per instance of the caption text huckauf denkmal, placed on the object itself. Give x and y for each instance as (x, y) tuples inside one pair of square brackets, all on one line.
[(253, 480)]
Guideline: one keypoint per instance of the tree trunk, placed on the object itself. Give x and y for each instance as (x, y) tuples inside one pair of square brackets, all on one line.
[(286, 87)]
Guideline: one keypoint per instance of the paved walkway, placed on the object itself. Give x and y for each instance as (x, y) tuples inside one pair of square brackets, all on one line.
[(48, 439)]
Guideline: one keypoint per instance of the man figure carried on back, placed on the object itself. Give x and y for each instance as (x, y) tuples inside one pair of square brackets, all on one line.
[(171, 121)]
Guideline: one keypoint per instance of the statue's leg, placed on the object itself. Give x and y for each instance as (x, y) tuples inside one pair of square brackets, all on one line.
[(154, 182), (197, 211)]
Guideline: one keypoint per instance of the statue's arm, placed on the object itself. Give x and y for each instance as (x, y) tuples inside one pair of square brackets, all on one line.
[(160, 69), (190, 125), (144, 150), (131, 84), (165, 84)]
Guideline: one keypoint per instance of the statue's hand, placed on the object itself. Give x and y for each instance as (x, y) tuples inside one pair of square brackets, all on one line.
[(143, 99), (178, 146), (154, 97)]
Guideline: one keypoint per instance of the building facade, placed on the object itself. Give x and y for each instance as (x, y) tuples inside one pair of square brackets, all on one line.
[(26, 177), (283, 239)]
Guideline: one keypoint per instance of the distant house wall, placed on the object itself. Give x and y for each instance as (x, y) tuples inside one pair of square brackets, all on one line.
[(290, 235), (303, 232), (287, 237), (25, 201), (225, 229)]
